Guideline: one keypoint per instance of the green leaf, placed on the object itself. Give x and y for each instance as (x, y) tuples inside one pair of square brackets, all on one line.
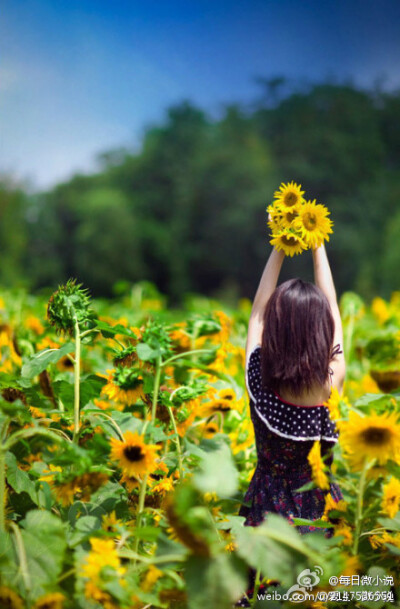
[(193, 449), (306, 487), (277, 548), (217, 473), (376, 574), (19, 479), (147, 353), (85, 527), (393, 524), (314, 523), (90, 388), (110, 331), (372, 398), (215, 582), (186, 363), (39, 362), (43, 536)]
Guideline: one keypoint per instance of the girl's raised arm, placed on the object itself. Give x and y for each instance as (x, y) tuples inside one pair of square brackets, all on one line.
[(324, 280), (266, 286)]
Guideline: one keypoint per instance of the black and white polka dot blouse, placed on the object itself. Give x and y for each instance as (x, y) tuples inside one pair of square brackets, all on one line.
[(283, 418)]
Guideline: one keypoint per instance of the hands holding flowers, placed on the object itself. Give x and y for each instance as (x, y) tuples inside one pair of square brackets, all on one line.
[(297, 224)]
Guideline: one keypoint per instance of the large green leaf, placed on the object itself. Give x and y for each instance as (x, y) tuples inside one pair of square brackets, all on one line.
[(147, 353), (90, 388), (215, 582), (376, 575), (276, 548), (19, 479), (43, 538), (217, 473), (39, 362)]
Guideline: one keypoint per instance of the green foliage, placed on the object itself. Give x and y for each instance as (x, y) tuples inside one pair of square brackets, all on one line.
[(39, 362), (218, 473)]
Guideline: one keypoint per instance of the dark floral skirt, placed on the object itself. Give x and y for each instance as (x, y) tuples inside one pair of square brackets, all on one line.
[(279, 495)]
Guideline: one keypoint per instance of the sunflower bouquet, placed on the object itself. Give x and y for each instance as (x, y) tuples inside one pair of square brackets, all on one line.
[(297, 224)]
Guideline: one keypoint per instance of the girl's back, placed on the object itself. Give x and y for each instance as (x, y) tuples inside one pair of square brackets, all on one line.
[(285, 433)]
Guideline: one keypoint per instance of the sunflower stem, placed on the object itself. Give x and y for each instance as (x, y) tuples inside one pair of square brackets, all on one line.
[(191, 352), (4, 428), (142, 496), (2, 489), (77, 364), (178, 444), (142, 493), (257, 583), (359, 507), (156, 389)]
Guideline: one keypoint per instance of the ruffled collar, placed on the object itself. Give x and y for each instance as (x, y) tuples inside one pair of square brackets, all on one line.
[(295, 422)]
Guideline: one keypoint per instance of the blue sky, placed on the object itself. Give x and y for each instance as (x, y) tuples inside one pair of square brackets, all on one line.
[(78, 78)]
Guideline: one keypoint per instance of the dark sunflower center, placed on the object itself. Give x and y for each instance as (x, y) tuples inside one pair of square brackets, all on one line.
[(310, 221), (376, 436), (67, 362), (290, 199), (222, 407), (133, 453), (291, 215), (290, 241)]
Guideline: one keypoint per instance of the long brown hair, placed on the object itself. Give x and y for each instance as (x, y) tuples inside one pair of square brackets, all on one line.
[(297, 338)]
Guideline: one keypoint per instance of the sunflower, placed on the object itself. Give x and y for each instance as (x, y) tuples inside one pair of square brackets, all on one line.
[(313, 223), (34, 324), (109, 522), (134, 455), (333, 403), (288, 215), (380, 310), (227, 394), (213, 406), (331, 504), (102, 554), (52, 600), (152, 575), (289, 242), (391, 497), (317, 466), (352, 565), (9, 598), (370, 437), (124, 385), (274, 220), (379, 540), (210, 429), (289, 194), (345, 530), (131, 482)]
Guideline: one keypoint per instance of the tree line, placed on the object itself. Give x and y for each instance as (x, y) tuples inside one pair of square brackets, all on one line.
[(187, 211)]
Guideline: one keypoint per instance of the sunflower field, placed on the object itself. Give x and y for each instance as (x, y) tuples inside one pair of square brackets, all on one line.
[(127, 448)]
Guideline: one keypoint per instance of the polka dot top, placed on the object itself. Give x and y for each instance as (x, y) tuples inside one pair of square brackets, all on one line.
[(287, 420)]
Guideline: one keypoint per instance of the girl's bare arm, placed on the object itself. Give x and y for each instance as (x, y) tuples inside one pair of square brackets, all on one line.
[(267, 285), (324, 280)]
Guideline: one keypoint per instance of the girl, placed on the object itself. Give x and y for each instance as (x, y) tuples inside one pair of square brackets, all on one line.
[(293, 359)]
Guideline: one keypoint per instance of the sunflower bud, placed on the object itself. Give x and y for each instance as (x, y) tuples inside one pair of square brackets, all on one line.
[(68, 304)]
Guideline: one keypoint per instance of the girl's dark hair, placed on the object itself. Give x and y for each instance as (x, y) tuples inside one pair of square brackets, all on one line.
[(297, 338)]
